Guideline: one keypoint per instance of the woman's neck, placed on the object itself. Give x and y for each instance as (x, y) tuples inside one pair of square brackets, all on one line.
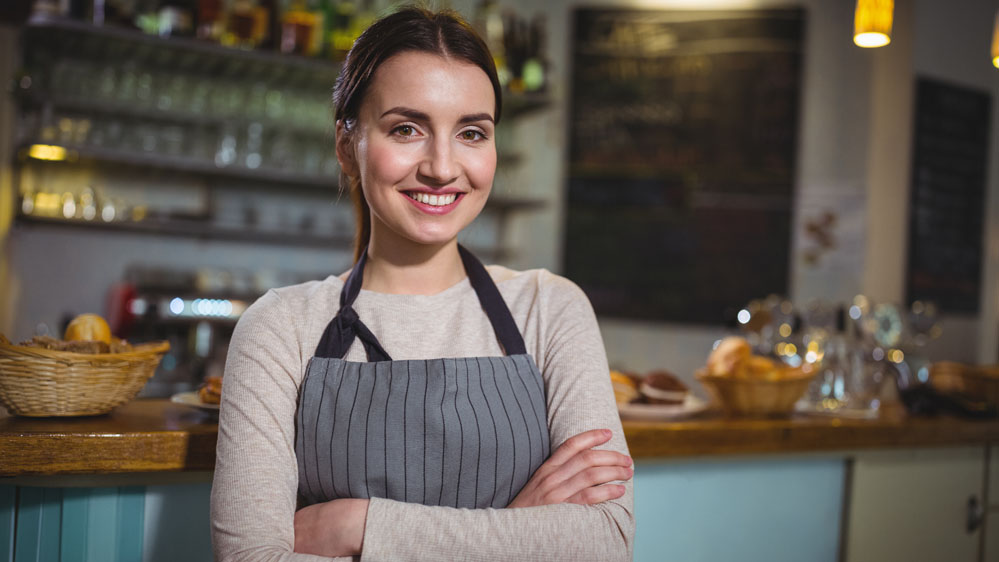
[(408, 268)]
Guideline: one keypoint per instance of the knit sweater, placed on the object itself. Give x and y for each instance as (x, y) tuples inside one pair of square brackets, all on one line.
[(254, 493)]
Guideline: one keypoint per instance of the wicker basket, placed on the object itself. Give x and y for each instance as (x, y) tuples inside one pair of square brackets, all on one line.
[(39, 382), (759, 397)]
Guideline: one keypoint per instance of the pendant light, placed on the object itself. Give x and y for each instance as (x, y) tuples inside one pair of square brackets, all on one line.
[(995, 43), (872, 23)]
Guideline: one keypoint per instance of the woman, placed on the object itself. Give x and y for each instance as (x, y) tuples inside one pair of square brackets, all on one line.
[(396, 412)]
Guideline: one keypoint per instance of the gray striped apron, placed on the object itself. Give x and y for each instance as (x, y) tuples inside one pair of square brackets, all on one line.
[(462, 432)]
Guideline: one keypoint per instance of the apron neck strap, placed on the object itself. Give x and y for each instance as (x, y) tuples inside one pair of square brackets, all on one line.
[(345, 326), (341, 331), (492, 302)]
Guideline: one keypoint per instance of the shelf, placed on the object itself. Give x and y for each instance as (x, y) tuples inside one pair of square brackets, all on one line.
[(207, 231), (142, 47), (194, 229), (190, 165), (119, 110)]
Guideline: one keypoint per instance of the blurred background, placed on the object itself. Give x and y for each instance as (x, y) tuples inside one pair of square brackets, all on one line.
[(166, 161)]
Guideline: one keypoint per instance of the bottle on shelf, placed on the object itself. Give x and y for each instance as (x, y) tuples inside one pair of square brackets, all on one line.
[(299, 29), (210, 19)]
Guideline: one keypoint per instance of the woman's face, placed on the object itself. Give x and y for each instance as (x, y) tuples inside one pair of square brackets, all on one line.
[(423, 147)]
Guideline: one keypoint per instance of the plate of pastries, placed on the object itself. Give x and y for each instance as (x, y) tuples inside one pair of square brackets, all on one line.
[(659, 395), (207, 397)]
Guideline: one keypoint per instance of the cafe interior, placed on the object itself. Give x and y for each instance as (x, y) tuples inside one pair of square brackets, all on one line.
[(815, 182)]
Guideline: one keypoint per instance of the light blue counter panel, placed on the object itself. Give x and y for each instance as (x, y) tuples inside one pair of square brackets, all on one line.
[(766, 510), (48, 524), (39, 515), (8, 505), (177, 525)]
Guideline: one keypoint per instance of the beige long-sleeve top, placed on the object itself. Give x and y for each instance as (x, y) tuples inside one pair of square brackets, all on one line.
[(255, 487)]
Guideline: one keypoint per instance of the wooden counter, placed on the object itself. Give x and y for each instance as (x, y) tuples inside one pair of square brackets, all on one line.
[(159, 436), (714, 435), (140, 436)]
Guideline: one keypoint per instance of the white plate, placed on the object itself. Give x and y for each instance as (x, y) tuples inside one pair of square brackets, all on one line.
[(691, 405), (191, 398)]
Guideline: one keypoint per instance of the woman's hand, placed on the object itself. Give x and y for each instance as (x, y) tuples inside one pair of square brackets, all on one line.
[(577, 473), (333, 528)]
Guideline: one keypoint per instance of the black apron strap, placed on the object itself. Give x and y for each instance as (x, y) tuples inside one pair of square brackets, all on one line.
[(493, 303), (346, 325), (341, 331)]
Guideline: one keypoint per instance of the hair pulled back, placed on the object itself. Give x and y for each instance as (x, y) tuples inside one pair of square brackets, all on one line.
[(409, 29)]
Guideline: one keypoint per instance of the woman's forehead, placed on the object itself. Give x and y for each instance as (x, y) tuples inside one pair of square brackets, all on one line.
[(430, 83)]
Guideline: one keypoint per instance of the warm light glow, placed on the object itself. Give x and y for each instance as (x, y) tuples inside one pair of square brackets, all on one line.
[(995, 43), (871, 40), (785, 330), (896, 356), (872, 23), (47, 152)]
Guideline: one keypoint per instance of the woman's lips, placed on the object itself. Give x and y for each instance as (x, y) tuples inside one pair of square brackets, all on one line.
[(431, 203)]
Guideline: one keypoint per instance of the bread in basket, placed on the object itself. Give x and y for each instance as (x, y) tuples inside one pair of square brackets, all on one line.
[(40, 382)]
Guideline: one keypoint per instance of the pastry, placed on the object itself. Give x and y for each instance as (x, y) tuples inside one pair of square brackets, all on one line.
[(88, 327), (662, 387), (211, 391), (728, 356), (625, 387)]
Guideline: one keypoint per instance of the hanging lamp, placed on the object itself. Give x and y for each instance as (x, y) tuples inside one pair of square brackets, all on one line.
[(872, 23)]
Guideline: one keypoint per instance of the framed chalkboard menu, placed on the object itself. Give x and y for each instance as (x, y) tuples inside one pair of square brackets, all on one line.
[(947, 199), (683, 130)]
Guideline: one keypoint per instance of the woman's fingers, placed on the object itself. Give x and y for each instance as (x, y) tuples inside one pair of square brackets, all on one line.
[(597, 494), (594, 457), (577, 443), (589, 478)]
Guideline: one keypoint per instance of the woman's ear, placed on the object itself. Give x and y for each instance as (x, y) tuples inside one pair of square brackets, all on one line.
[(345, 150)]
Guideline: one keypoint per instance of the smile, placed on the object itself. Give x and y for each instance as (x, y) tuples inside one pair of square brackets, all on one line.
[(432, 200)]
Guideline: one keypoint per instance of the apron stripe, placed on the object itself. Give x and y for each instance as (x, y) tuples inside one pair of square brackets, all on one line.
[(490, 482), (316, 433), (536, 421), (512, 441), (478, 436), (336, 399), (521, 429)]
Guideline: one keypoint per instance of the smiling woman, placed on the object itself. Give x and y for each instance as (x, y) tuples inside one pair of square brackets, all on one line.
[(420, 406)]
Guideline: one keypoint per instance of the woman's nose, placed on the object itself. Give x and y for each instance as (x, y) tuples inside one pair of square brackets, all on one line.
[(439, 166)]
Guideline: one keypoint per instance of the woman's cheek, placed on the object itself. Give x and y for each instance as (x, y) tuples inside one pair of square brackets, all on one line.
[(482, 169), (391, 163)]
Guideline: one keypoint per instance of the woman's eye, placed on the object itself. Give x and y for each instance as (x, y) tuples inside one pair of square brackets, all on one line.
[(472, 135), (404, 131)]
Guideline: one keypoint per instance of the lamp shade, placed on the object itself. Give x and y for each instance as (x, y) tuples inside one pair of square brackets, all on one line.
[(872, 23), (995, 42)]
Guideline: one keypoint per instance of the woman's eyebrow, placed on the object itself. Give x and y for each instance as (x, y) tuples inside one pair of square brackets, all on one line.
[(475, 117), (417, 115)]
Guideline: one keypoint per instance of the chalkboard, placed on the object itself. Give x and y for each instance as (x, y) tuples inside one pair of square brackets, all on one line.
[(683, 133), (947, 199)]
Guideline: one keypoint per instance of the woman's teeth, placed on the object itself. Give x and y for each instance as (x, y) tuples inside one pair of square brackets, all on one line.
[(435, 200)]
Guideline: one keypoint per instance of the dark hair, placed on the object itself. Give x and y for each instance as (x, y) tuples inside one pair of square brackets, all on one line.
[(411, 28)]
